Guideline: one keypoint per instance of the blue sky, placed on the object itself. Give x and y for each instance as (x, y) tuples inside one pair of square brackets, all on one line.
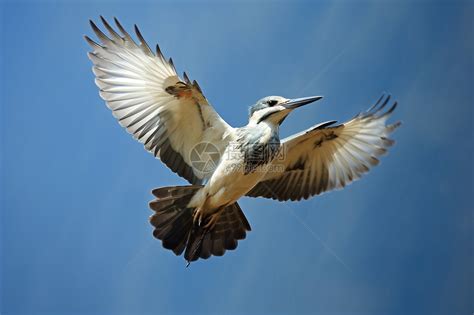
[(75, 237)]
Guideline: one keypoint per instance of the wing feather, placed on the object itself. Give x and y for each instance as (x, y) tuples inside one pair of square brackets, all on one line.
[(167, 115), (327, 157)]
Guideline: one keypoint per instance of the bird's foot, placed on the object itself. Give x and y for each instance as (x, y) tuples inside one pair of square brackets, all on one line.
[(207, 222), (212, 220)]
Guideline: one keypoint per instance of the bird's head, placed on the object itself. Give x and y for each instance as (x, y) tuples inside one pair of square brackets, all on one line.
[(274, 109)]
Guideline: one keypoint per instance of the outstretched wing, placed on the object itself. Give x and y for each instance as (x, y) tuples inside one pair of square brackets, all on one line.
[(327, 157), (168, 115)]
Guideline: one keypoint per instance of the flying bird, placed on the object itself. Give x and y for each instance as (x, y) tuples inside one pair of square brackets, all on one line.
[(174, 121)]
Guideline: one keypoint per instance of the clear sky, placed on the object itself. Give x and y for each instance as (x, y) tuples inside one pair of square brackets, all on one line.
[(75, 237)]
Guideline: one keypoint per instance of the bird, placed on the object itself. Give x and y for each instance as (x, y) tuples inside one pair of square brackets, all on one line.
[(170, 116)]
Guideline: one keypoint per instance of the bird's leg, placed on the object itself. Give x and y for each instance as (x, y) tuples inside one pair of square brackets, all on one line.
[(197, 247), (198, 219)]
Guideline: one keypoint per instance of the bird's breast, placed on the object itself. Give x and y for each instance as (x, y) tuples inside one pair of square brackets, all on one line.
[(258, 147), (229, 182), (242, 166)]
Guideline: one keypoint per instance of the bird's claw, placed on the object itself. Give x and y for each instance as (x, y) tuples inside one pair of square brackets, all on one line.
[(198, 219), (198, 216), (212, 221)]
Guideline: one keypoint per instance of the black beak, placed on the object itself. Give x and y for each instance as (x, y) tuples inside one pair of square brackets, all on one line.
[(297, 102)]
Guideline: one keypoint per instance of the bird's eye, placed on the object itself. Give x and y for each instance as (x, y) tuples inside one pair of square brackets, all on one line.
[(272, 102)]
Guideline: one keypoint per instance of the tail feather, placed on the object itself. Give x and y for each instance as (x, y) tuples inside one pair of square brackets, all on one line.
[(176, 239), (173, 222), (206, 247), (229, 228), (175, 191)]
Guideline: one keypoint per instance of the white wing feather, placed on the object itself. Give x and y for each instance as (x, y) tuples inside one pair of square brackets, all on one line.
[(327, 157), (136, 83)]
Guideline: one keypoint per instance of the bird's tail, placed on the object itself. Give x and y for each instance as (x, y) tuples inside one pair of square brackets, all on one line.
[(173, 222)]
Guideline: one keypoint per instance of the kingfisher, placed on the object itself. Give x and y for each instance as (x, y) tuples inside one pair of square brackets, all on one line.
[(175, 122)]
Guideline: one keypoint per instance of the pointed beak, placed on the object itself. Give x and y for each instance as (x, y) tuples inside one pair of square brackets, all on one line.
[(297, 102)]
